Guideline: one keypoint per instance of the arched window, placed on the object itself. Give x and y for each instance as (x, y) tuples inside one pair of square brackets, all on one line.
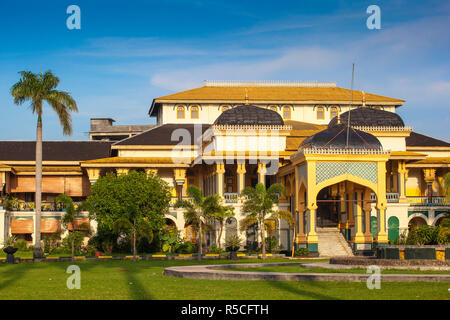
[(320, 113), (194, 112), (225, 108), (287, 113), (180, 112), (333, 112), (273, 108)]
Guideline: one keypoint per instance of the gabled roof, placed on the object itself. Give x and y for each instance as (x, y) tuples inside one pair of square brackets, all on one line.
[(279, 94), (162, 135), (420, 140), (54, 150)]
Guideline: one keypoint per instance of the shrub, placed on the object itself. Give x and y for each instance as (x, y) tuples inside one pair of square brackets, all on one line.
[(233, 243), (187, 247), (107, 247), (51, 243), (272, 245), (423, 235), (144, 246), (66, 244), (215, 249), (21, 245), (302, 252)]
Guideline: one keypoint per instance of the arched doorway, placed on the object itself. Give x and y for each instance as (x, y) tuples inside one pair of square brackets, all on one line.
[(416, 222), (170, 223), (393, 229), (327, 209), (230, 227), (440, 218)]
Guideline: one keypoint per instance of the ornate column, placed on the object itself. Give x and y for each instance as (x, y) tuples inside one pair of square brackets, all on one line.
[(240, 170), (359, 236), (402, 172), (351, 195), (342, 205), (220, 171), (299, 212), (93, 174), (367, 206), (429, 176), (313, 240), (382, 237), (262, 173), (180, 178), (395, 177)]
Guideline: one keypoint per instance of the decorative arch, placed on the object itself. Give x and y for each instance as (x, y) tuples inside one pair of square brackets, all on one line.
[(438, 218), (345, 177), (416, 218)]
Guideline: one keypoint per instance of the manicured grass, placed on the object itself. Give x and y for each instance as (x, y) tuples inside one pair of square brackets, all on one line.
[(118, 279), (300, 269)]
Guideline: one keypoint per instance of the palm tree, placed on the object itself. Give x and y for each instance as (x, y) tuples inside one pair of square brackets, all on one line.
[(199, 210), (38, 88), (137, 227), (258, 207), (68, 219), (221, 216)]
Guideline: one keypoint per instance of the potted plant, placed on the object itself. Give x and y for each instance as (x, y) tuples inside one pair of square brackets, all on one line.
[(9, 248), (233, 244)]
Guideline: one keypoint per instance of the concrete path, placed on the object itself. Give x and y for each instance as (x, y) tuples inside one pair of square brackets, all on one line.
[(211, 272)]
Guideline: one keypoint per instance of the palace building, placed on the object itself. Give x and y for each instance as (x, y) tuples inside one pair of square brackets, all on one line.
[(355, 175)]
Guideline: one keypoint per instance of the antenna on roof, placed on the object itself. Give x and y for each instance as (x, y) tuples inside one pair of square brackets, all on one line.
[(350, 105)]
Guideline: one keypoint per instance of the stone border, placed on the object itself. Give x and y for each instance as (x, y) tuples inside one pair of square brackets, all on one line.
[(359, 261), (211, 272), (153, 257)]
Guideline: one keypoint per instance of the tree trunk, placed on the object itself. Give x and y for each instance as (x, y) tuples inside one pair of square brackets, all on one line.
[(200, 245), (73, 241), (263, 242), (220, 233), (134, 246), (38, 194)]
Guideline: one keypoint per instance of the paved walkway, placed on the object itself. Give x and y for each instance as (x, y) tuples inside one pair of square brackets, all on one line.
[(212, 272)]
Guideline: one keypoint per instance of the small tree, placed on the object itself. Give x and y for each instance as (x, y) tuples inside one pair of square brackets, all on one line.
[(136, 226), (68, 219), (133, 203), (258, 207), (198, 210)]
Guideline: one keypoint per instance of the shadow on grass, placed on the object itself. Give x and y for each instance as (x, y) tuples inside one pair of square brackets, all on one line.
[(289, 287), (130, 270), (11, 273)]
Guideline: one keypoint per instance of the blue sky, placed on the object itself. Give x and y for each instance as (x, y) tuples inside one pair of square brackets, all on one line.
[(129, 52)]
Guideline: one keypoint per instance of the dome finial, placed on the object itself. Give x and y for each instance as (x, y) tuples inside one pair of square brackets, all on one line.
[(246, 97)]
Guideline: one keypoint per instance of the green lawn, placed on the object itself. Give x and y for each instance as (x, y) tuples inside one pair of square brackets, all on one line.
[(300, 269), (118, 279)]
